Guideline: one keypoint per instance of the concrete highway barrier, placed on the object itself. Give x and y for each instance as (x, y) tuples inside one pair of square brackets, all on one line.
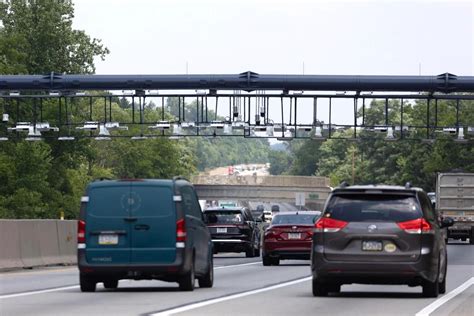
[(9, 245), (32, 243)]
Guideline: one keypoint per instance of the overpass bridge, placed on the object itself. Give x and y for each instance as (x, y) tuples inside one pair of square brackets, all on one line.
[(284, 189)]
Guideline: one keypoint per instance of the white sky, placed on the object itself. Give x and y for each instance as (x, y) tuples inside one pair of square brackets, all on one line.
[(329, 37)]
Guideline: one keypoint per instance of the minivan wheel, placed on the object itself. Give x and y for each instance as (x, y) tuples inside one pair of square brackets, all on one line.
[(431, 289), (319, 289), (87, 283), (442, 285), (186, 282), (208, 279), (111, 284), (471, 236)]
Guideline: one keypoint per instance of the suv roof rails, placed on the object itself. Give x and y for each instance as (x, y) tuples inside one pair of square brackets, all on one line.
[(408, 185), (343, 184)]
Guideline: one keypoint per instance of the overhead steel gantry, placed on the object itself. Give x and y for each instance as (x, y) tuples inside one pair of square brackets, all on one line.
[(77, 113)]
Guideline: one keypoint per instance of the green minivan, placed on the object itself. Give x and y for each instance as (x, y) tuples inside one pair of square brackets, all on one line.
[(143, 229)]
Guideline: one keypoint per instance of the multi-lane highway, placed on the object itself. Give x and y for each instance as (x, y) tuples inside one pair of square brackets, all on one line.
[(242, 287)]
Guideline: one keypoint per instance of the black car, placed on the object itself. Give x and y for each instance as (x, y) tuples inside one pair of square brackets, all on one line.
[(379, 235), (233, 230)]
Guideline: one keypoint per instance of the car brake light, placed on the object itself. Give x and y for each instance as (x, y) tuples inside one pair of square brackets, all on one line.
[(271, 234), (329, 225), (81, 232), (415, 226), (180, 231)]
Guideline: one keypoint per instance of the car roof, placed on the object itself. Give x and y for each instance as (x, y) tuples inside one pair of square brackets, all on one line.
[(298, 213), (376, 187), (120, 182), (213, 209)]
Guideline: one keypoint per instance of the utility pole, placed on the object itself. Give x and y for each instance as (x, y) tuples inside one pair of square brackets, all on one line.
[(353, 166)]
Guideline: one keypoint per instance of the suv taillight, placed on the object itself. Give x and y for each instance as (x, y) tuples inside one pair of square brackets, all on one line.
[(180, 231), (81, 232), (329, 225), (415, 226)]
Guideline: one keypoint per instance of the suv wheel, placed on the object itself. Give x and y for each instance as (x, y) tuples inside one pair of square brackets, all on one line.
[(186, 282), (208, 279), (319, 289), (250, 252), (276, 261), (111, 284), (87, 283)]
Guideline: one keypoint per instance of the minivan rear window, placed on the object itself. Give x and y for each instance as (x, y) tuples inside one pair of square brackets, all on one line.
[(120, 201), (373, 207)]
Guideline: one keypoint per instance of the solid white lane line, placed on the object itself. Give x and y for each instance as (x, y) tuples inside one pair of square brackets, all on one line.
[(227, 298), (440, 301), (238, 265), (76, 286), (39, 291)]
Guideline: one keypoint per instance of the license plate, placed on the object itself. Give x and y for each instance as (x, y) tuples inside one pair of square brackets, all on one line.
[(372, 246), (108, 239), (294, 236), (221, 230)]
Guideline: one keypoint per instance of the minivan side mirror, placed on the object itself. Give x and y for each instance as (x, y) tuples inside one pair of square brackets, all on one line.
[(447, 222)]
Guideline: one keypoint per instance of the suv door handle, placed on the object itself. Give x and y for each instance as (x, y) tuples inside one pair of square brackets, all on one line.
[(130, 219)]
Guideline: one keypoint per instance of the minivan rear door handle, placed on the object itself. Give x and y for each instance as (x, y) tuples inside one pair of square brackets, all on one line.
[(130, 219), (142, 227)]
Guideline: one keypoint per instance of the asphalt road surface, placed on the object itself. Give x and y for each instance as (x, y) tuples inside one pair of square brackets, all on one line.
[(242, 287)]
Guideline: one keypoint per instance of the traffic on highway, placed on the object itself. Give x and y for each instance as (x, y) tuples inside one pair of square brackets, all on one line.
[(380, 249)]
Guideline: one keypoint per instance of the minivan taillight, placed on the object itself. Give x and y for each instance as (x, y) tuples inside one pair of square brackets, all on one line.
[(415, 226), (180, 231), (329, 225), (81, 232)]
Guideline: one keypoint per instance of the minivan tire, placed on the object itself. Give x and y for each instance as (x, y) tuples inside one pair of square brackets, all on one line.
[(87, 283), (111, 284), (471, 236), (186, 282), (442, 284), (208, 279), (319, 289)]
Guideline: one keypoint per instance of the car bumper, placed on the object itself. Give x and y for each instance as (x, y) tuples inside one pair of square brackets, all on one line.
[(167, 271), (345, 272), (288, 250)]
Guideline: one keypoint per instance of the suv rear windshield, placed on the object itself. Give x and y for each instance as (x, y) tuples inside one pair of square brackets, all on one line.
[(223, 217), (373, 207), (290, 219)]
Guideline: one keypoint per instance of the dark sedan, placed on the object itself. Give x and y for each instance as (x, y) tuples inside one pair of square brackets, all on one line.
[(289, 237)]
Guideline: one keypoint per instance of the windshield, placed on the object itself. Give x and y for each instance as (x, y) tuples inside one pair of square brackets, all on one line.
[(376, 207), (223, 217), (292, 219)]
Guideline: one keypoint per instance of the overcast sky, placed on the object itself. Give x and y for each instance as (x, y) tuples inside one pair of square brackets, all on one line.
[(327, 37)]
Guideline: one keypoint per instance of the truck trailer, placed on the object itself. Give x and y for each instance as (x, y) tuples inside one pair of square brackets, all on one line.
[(455, 199)]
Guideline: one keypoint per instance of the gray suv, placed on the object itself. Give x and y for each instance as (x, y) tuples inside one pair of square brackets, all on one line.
[(379, 235)]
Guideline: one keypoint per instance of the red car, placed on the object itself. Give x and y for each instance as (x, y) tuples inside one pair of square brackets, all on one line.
[(289, 236)]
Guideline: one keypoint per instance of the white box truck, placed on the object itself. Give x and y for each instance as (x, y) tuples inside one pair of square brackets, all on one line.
[(455, 199)]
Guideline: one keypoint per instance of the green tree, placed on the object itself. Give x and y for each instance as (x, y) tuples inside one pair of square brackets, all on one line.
[(42, 31)]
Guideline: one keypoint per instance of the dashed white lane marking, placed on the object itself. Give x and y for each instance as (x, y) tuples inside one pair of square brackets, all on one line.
[(57, 289), (440, 301), (227, 298), (39, 292), (238, 265)]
